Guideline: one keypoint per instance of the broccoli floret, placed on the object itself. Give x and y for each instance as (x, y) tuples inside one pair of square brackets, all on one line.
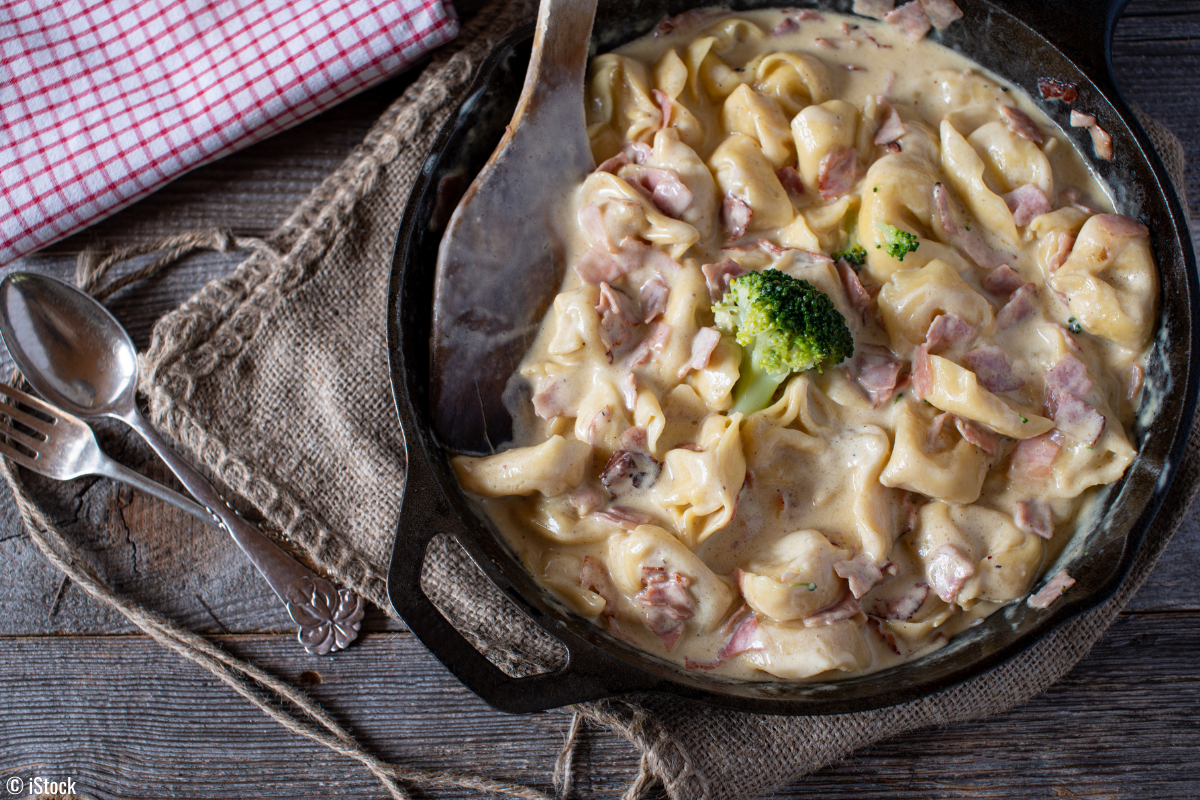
[(854, 253), (899, 243), (786, 325)]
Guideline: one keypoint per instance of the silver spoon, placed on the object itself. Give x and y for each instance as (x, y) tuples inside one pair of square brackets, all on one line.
[(78, 357)]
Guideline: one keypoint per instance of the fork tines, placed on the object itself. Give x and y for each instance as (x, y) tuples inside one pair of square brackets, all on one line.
[(38, 430)]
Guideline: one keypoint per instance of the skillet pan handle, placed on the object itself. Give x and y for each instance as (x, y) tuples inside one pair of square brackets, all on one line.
[(589, 674), (1081, 29)]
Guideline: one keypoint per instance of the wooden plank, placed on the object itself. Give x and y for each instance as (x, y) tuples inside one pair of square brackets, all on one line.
[(129, 719)]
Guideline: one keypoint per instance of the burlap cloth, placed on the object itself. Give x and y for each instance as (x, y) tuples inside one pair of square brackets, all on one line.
[(276, 378)]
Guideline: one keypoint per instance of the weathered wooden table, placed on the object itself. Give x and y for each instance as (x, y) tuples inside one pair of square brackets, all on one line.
[(83, 696)]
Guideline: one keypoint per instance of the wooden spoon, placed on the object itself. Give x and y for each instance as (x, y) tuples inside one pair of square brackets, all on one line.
[(500, 261)]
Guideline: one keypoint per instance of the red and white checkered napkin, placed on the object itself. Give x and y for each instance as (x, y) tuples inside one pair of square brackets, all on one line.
[(103, 101)]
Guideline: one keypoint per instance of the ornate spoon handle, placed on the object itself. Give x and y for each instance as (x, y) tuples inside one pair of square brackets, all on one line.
[(329, 618)]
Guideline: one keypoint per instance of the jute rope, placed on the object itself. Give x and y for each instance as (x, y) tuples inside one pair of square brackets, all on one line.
[(305, 717)]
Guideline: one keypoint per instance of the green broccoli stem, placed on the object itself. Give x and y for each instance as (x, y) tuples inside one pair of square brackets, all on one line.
[(755, 386)]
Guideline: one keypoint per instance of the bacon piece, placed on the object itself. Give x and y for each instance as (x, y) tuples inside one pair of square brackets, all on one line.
[(876, 371), (922, 377), (789, 178), (586, 499), (1102, 143), (892, 127), (861, 572), (665, 107), (623, 517), (1034, 457), (970, 242), (743, 638), (860, 298), (1067, 92), (1054, 589), (611, 165), (654, 295), (911, 20), (550, 396), (600, 265), (981, 437), (941, 12), (1018, 307), (947, 330), (1026, 202), (1074, 417), (1034, 516), (1081, 120), (991, 367), (836, 175), (1070, 375), (876, 9), (1121, 226), (594, 577), (735, 216), (666, 190), (666, 603), (627, 471), (1066, 241), (1002, 281), (660, 332), (719, 276), (788, 25), (703, 344), (635, 439), (846, 607), (1020, 124), (948, 571), (901, 607)]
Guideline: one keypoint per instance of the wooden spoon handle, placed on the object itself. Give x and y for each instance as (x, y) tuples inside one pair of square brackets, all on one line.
[(559, 59)]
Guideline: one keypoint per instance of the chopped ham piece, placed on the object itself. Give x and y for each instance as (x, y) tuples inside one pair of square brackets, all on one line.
[(586, 499), (594, 577), (892, 127), (666, 190), (638, 152), (1020, 124), (735, 216), (618, 318), (1136, 376), (876, 371), (1070, 375), (809, 16), (788, 25), (1122, 226), (1026, 202), (1034, 457), (623, 517), (598, 421), (935, 431), (550, 396), (860, 298), (941, 12), (611, 165), (789, 178), (665, 107), (1002, 281), (836, 174), (1102, 143), (922, 378), (654, 295), (627, 471), (901, 607), (800, 258), (876, 9), (845, 608), (1053, 589), (1066, 241), (1074, 417), (600, 265), (1067, 92), (1070, 196), (1067, 337), (660, 332), (981, 437), (635, 439), (948, 571), (703, 344), (617, 302), (666, 603), (1081, 120), (911, 20), (628, 387), (1018, 307), (718, 277), (947, 330), (743, 638), (970, 242), (861, 572), (1034, 516), (991, 367)]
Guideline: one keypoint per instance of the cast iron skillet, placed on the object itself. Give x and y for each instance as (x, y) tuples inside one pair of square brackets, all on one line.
[(1015, 40)]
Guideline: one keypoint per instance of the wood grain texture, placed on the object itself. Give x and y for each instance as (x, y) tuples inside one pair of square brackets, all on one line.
[(80, 697)]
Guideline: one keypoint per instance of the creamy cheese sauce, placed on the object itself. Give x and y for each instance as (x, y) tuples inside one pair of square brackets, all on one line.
[(876, 507)]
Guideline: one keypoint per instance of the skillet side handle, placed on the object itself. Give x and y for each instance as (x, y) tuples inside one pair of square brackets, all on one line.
[(1082, 29), (423, 515)]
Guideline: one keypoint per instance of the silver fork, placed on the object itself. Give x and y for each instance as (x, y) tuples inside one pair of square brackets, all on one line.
[(65, 447)]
